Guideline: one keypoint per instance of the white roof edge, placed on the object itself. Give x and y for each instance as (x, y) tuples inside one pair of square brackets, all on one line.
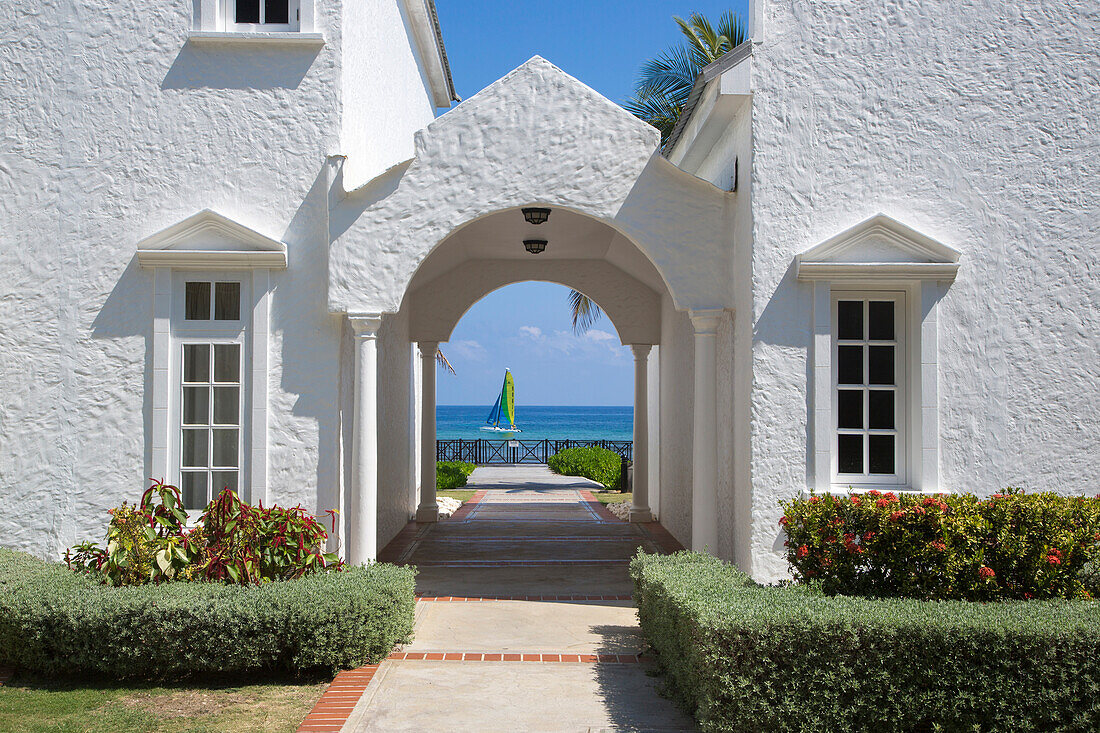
[(429, 41), (706, 75)]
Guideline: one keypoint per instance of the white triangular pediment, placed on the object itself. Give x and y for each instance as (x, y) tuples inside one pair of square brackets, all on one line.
[(879, 247), (209, 239)]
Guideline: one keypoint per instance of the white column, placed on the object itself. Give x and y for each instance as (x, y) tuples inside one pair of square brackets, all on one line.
[(363, 529), (639, 510), (704, 489), (428, 511)]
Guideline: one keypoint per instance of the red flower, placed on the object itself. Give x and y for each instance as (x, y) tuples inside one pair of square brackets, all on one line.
[(890, 495), (928, 501), (1054, 551), (783, 521), (882, 503), (857, 500), (867, 536), (1028, 596), (918, 511), (895, 516), (876, 492), (814, 499), (938, 546), (803, 551), (986, 572), (1054, 560)]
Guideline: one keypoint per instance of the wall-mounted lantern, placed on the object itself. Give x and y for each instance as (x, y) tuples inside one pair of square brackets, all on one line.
[(536, 215), (534, 246)]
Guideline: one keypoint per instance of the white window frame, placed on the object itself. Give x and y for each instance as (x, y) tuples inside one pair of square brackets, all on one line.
[(213, 332), (229, 8), (902, 397), (209, 246)]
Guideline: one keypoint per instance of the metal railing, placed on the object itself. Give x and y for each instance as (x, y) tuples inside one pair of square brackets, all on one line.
[(489, 452)]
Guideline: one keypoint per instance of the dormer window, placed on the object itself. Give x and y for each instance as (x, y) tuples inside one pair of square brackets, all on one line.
[(262, 15)]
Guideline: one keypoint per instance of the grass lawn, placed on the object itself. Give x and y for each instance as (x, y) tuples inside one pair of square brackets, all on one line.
[(36, 706), (460, 494), (613, 497)]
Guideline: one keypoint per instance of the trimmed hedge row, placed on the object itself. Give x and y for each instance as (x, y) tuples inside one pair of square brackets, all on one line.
[(56, 622), (452, 474), (599, 464), (744, 657)]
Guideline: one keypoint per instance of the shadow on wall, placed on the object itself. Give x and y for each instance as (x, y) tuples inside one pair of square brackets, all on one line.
[(310, 337), (127, 312), (214, 67)]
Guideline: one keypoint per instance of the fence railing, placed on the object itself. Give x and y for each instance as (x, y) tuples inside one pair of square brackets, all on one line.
[(488, 452)]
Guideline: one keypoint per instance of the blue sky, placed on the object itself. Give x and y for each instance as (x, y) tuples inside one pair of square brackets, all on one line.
[(526, 326)]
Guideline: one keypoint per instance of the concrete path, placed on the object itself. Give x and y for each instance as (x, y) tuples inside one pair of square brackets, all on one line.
[(525, 621)]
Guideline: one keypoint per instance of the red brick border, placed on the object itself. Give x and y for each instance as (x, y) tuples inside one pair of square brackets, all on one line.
[(516, 657), (475, 599), (661, 537), (6, 673), (467, 507), (598, 507), (332, 710)]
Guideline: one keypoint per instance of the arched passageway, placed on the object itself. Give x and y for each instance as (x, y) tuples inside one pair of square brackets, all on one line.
[(412, 250)]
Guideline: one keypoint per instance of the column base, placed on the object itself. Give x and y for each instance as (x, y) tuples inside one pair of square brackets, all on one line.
[(428, 513), (640, 514)]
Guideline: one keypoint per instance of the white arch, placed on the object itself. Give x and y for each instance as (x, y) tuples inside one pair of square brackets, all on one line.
[(436, 307), (537, 136)]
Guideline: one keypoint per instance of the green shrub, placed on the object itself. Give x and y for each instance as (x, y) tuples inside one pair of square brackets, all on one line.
[(743, 657), (236, 542), (57, 622), (452, 474), (960, 546), (599, 464)]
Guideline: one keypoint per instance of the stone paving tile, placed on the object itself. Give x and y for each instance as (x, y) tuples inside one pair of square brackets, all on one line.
[(565, 658)]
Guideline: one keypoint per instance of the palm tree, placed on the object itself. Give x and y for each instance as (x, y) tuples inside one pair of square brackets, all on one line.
[(665, 82), (660, 95)]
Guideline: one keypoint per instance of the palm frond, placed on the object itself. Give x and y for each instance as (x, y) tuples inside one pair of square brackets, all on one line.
[(665, 82), (442, 361), (672, 73), (585, 311)]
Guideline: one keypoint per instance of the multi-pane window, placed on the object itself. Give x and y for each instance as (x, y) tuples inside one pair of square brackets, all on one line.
[(868, 399), (282, 13), (211, 352), (225, 305), (210, 424)]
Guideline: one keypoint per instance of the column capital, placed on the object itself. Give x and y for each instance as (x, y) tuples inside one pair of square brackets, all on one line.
[(641, 351), (427, 349), (365, 325), (706, 321)]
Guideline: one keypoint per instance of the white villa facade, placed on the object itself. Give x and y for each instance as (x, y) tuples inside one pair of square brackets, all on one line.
[(235, 232)]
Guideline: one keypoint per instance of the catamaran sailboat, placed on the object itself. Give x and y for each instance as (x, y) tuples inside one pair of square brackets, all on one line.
[(504, 410)]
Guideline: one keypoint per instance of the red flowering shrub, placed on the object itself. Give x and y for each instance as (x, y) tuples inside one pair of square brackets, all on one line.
[(1013, 545), (235, 543)]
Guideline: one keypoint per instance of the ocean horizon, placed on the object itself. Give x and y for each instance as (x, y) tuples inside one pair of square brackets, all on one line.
[(539, 422)]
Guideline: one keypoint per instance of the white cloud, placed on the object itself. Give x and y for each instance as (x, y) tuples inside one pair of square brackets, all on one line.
[(532, 332), (601, 336), (594, 344), (469, 350)]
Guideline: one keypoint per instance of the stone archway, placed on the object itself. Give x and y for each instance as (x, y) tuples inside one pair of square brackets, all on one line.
[(649, 242)]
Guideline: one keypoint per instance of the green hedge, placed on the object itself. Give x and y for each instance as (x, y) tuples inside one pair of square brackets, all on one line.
[(56, 622), (452, 474), (743, 657), (947, 546), (599, 464)]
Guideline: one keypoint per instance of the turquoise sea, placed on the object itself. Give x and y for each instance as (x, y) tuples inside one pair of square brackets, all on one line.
[(537, 423)]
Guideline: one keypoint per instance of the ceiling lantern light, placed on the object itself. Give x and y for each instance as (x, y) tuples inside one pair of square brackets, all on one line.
[(534, 246), (536, 215)]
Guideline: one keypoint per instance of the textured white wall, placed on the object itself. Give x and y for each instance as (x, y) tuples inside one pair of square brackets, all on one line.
[(974, 122), (385, 90), (115, 127)]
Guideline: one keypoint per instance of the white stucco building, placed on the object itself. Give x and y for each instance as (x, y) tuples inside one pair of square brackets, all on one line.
[(234, 233)]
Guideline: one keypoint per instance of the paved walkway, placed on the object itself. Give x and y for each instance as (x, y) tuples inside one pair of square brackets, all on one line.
[(525, 621)]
